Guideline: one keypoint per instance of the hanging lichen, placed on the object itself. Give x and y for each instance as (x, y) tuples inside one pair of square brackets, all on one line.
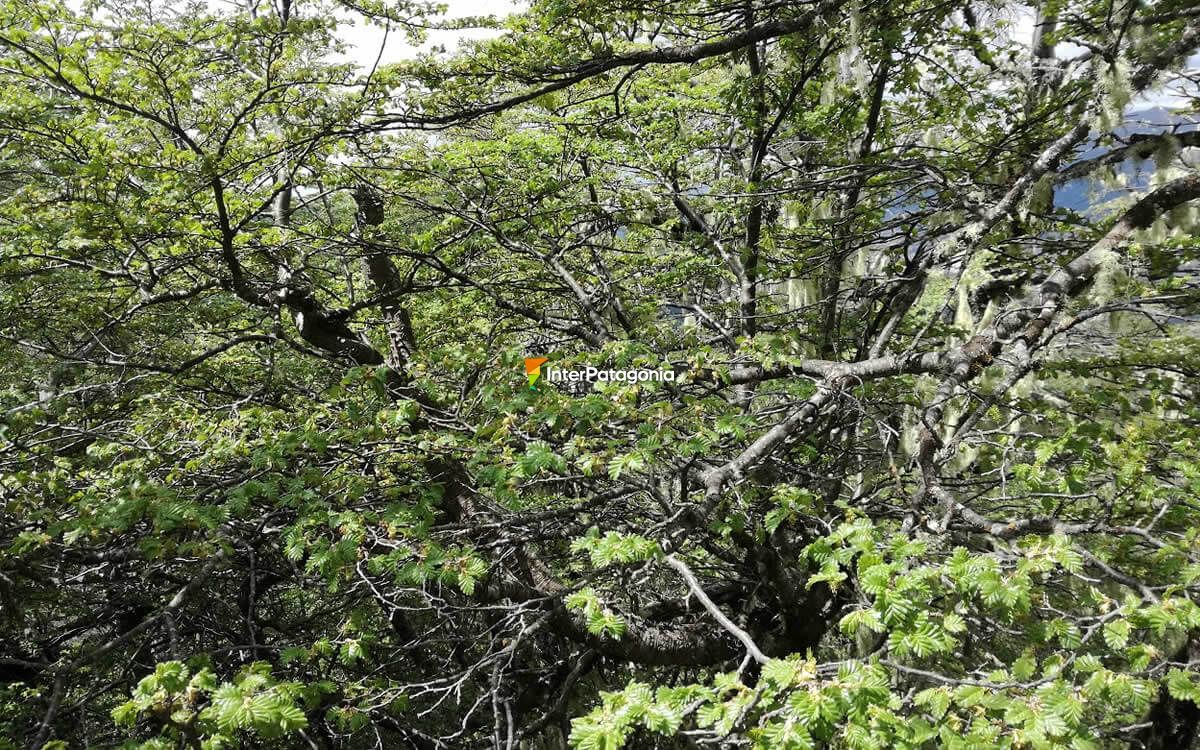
[(1038, 199), (933, 296), (791, 215), (950, 415), (1116, 93), (862, 72), (854, 28), (828, 91), (1183, 219), (963, 458), (855, 265), (908, 431), (964, 319), (1109, 274), (801, 292), (1166, 153)]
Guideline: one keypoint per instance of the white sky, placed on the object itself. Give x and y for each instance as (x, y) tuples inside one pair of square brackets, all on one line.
[(366, 39)]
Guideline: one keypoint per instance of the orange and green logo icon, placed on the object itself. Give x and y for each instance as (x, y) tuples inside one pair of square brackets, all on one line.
[(533, 369)]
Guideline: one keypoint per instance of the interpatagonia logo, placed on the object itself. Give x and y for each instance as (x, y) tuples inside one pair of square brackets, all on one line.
[(536, 371), (533, 370)]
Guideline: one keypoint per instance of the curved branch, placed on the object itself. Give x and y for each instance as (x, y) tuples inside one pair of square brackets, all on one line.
[(688, 576), (598, 66)]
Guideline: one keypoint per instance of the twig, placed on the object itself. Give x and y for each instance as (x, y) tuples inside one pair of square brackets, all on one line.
[(680, 567)]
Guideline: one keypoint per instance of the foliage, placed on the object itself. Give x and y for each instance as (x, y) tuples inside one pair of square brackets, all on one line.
[(272, 473)]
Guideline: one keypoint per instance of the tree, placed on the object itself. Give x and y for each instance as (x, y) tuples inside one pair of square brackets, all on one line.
[(925, 474)]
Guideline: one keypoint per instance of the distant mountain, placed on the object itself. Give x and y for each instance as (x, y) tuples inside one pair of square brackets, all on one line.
[(1081, 196)]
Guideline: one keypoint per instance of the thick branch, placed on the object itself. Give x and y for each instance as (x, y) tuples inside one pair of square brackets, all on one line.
[(600, 65)]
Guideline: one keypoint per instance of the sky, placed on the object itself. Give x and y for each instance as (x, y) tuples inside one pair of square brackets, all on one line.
[(369, 43), (366, 40)]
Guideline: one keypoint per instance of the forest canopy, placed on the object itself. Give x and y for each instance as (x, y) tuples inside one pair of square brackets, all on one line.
[(280, 466)]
